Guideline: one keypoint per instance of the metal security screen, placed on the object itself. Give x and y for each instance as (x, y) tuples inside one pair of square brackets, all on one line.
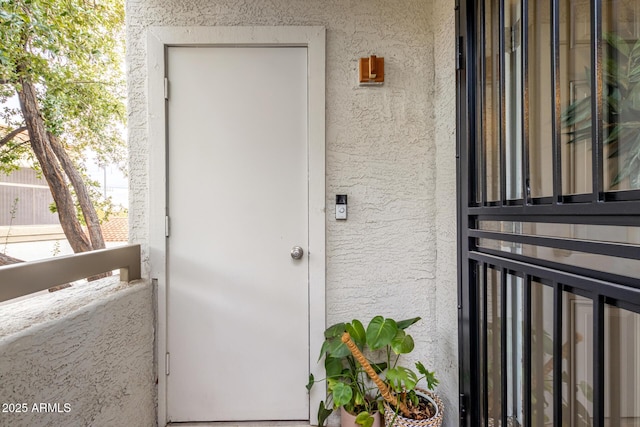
[(549, 212)]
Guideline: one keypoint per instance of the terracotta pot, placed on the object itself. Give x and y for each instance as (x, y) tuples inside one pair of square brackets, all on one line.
[(348, 420)]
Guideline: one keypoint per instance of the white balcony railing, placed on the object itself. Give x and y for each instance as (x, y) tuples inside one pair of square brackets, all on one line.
[(21, 279)]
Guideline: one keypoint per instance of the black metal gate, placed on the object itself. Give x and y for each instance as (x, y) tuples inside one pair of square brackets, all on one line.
[(549, 212)]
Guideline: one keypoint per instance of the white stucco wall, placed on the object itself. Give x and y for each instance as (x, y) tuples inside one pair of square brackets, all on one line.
[(391, 149), (443, 25), (86, 351)]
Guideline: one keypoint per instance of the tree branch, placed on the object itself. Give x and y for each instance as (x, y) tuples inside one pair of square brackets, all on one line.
[(15, 147), (8, 137), (6, 259)]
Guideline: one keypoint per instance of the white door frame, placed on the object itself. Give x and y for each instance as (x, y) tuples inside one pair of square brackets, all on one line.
[(158, 39)]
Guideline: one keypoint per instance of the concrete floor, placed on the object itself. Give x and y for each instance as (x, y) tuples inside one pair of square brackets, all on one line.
[(244, 424)]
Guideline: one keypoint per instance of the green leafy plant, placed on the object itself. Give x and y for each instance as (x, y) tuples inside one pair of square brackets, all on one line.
[(621, 109), (349, 385)]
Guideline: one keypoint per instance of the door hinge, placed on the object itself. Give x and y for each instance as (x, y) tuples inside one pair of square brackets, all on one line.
[(166, 363), (166, 89), (166, 226)]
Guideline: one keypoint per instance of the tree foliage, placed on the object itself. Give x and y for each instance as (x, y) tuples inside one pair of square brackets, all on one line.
[(72, 50), (621, 108), (63, 58)]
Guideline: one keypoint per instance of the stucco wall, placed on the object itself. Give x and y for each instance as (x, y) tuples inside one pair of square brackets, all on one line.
[(443, 25), (382, 150), (84, 352)]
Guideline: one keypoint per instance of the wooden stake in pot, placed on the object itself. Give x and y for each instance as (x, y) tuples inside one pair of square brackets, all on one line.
[(384, 389)]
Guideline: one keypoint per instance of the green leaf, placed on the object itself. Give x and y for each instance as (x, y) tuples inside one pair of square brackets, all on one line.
[(365, 419), (413, 397), (323, 349), (587, 390), (636, 48), (429, 376), (381, 332), (333, 366), (335, 331), (402, 343), (401, 378), (357, 332), (577, 112), (6, 16), (323, 414), (404, 324), (613, 135), (421, 369), (336, 348), (617, 42), (379, 367), (311, 382), (341, 393)]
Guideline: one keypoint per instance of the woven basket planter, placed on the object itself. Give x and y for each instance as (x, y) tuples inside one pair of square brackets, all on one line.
[(393, 419)]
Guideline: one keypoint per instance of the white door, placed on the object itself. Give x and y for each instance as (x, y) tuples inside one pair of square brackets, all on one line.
[(237, 302)]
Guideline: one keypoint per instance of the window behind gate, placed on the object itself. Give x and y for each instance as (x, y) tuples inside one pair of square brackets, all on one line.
[(549, 212)]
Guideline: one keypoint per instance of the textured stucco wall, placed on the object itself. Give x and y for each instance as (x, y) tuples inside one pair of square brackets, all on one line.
[(443, 26), (87, 351), (382, 150)]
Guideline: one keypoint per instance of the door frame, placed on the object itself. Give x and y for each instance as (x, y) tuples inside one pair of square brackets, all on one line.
[(311, 37)]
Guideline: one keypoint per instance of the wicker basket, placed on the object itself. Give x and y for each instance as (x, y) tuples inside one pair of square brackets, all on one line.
[(393, 419)]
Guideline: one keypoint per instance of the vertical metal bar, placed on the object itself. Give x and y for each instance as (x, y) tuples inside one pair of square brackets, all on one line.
[(613, 401), (485, 369), (557, 354), (526, 375), (526, 187), (512, 346), (598, 361), (502, 103), (597, 160), (496, 334), (473, 339), (503, 343), (537, 383), (465, 115), (556, 107), (482, 151)]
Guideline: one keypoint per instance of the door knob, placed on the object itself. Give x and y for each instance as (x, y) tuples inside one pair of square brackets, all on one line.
[(297, 252)]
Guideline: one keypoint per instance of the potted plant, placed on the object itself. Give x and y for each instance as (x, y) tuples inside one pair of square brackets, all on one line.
[(388, 387), (406, 405), (348, 385)]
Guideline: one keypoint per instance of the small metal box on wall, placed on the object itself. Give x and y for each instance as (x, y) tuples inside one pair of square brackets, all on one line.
[(371, 71)]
